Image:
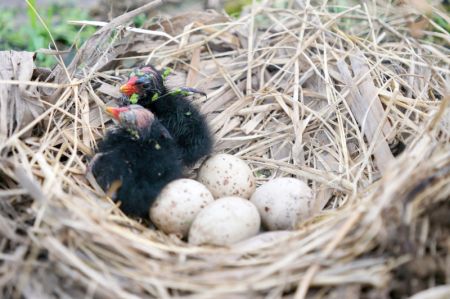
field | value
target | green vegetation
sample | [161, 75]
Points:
[442, 23]
[139, 20]
[28, 33]
[234, 7]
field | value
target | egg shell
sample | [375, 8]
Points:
[227, 175]
[177, 205]
[283, 202]
[225, 221]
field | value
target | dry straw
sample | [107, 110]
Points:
[326, 94]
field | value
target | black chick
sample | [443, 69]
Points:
[140, 154]
[181, 118]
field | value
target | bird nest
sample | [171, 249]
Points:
[347, 99]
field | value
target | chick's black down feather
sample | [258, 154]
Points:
[186, 124]
[181, 118]
[143, 165]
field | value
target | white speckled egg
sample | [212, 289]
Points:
[225, 221]
[177, 205]
[226, 175]
[283, 202]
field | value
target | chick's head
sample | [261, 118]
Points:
[146, 82]
[132, 117]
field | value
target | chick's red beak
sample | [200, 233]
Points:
[129, 88]
[115, 111]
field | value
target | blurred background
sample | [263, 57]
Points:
[21, 28]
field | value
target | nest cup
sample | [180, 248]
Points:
[344, 98]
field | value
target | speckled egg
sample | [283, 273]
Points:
[283, 202]
[178, 204]
[225, 221]
[226, 175]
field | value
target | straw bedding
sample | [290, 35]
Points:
[343, 98]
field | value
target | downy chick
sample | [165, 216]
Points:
[140, 154]
[181, 118]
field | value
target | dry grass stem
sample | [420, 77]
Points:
[343, 98]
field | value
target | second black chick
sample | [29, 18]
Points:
[140, 154]
[181, 118]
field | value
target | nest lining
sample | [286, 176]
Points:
[307, 91]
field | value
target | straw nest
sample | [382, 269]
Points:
[344, 98]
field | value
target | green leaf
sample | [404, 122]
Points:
[31, 14]
[180, 91]
[166, 73]
[134, 98]
[139, 20]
